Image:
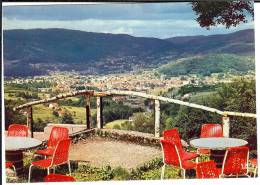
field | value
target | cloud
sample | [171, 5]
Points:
[141, 28]
[110, 11]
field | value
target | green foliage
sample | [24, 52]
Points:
[191, 88]
[114, 111]
[208, 64]
[240, 96]
[27, 95]
[32, 86]
[39, 125]
[12, 116]
[67, 118]
[227, 13]
[142, 122]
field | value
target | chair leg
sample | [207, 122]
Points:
[30, 171]
[48, 171]
[162, 172]
[255, 171]
[69, 167]
[184, 173]
[14, 170]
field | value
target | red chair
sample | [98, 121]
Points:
[57, 134]
[173, 136]
[10, 165]
[58, 178]
[235, 162]
[253, 163]
[171, 156]
[17, 130]
[60, 156]
[210, 130]
[207, 170]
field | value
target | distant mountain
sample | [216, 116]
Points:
[207, 64]
[37, 51]
[240, 42]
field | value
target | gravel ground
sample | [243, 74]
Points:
[100, 152]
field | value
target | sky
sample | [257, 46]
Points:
[159, 20]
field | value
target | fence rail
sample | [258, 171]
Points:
[157, 99]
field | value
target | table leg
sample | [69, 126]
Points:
[218, 157]
[16, 157]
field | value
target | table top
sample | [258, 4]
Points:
[20, 143]
[217, 143]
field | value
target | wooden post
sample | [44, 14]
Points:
[88, 111]
[30, 119]
[157, 118]
[99, 112]
[226, 126]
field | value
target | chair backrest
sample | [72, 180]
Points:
[57, 134]
[173, 136]
[211, 130]
[18, 130]
[170, 153]
[61, 152]
[58, 178]
[206, 170]
[236, 161]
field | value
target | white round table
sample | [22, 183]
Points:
[14, 147]
[218, 146]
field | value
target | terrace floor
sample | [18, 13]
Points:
[99, 151]
[102, 151]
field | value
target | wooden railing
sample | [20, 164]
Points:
[99, 101]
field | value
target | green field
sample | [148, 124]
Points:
[115, 122]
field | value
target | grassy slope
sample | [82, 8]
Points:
[115, 122]
[205, 65]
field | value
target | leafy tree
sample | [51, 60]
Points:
[240, 96]
[227, 13]
[39, 125]
[67, 118]
[12, 116]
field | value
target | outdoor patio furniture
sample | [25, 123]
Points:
[235, 162]
[209, 130]
[18, 130]
[253, 164]
[57, 134]
[10, 165]
[172, 135]
[206, 170]
[217, 146]
[59, 157]
[171, 156]
[58, 178]
[14, 147]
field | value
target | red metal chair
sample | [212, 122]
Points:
[235, 162]
[210, 130]
[10, 165]
[60, 156]
[17, 130]
[57, 134]
[207, 170]
[173, 136]
[171, 156]
[58, 178]
[253, 164]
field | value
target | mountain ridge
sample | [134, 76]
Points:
[41, 50]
